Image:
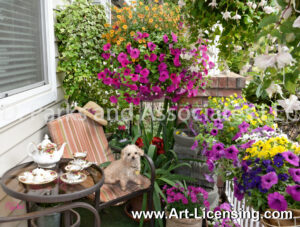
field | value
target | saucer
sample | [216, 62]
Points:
[45, 178]
[73, 168]
[81, 179]
[83, 163]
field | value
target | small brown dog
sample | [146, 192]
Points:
[125, 169]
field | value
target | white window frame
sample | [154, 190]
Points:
[19, 105]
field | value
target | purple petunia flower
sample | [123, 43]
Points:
[151, 46]
[161, 57]
[195, 145]
[210, 165]
[105, 55]
[268, 180]
[248, 144]
[156, 89]
[291, 158]
[295, 174]
[218, 124]
[266, 163]
[174, 37]
[238, 193]
[145, 72]
[135, 53]
[270, 169]
[162, 66]
[277, 201]
[283, 176]
[163, 76]
[226, 113]
[294, 191]
[231, 152]
[214, 132]
[218, 147]
[278, 160]
[152, 57]
[138, 68]
[107, 46]
[165, 38]
[210, 112]
[209, 178]
[244, 127]
[238, 135]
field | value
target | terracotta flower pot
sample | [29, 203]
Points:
[295, 221]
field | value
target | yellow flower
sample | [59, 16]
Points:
[147, 8]
[245, 107]
[156, 1]
[141, 16]
[143, 28]
[124, 27]
[156, 26]
[150, 20]
[264, 117]
[141, 4]
[235, 95]
[132, 33]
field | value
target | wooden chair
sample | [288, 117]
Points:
[83, 134]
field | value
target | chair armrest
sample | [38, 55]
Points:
[152, 169]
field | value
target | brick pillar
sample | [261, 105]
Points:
[221, 86]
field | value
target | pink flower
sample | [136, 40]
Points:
[145, 72]
[134, 77]
[128, 48]
[135, 53]
[107, 81]
[145, 35]
[156, 89]
[144, 89]
[161, 57]
[133, 87]
[146, 57]
[165, 38]
[127, 72]
[144, 80]
[190, 85]
[171, 88]
[113, 99]
[184, 200]
[151, 46]
[176, 61]
[105, 55]
[138, 68]
[162, 66]
[174, 38]
[153, 57]
[122, 57]
[136, 101]
[101, 75]
[106, 47]
[164, 75]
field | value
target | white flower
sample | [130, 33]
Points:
[226, 15]
[194, 68]
[186, 56]
[245, 69]
[236, 16]
[287, 12]
[296, 23]
[291, 104]
[274, 88]
[249, 4]
[181, 3]
[265, 61]
[254, 6]
[284, 58]
[237, 48]
[269, 9]
[213, 4]
[262, 3]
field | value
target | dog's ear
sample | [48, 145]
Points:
[140, 151]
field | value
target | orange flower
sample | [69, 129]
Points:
[143, 28]
[135, 21]
[156, 1]
[106, 25]
[150, 20]
[125, 27]
[132, 33]
[147, 8]
[119, 17]
[130, 16]
[156, 26]
[141, 4]
[141, 16]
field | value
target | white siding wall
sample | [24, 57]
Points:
[15, 137]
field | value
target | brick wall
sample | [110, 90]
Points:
[221, 85]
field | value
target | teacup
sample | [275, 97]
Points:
[73, 175]
[73, 168]
[80, 155]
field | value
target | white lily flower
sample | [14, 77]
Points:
[265, 61]
[283, 59]
[290, 104]
[213, 4]
[274, 88]
[181, 3]
[296, 23]
[254, 6]
[226, 15]
[236, 16]
[269, 9]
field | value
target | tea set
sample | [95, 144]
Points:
[46, 155]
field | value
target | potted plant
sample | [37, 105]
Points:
[51, 220]
[192, 200]
[269, 175]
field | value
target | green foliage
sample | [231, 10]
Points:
[78, 29]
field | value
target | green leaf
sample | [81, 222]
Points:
[268, 20]
[291, 81]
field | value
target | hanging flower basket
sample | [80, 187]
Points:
[295, 221]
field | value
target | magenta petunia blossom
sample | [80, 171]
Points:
[214, 132]
[268, 180]
[152, 57]
[127, 72]
[146, 57]
[161, 57]
[174, 37]
[166, 38]
[163, 76]
[107, 46]
[145, 72]
[231, 152]
[128, 48]
[133, 87]
[176, 61]
[294, 191]
[113, 99]
[136, 101]
[145, 35]
[144, 80]
[171, 88]
[135, 53]
[295, 174]
[291, 158]
[244, 127]
[151, 46]
[101, 75]
[162, 66]
[134, 77]
[277, 201]
[138, 68]
[122, 57]
[156, 89]
[105, 55]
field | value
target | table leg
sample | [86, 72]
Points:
[67, 218]
[97, 202]
[28, 211]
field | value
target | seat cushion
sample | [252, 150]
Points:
[81, 134]
[113, 191]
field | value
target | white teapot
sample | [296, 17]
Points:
[46, 154]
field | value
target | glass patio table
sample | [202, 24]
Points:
[56, 191]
